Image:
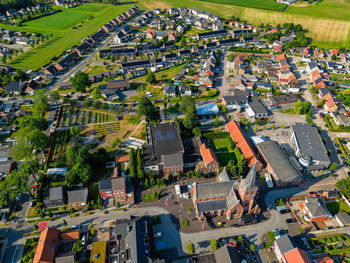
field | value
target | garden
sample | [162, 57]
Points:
[29, 250]
[106, 128]
[59, 145]
[73, 116]
[333, 245]
[338, 207]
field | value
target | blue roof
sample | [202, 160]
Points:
[207, 109]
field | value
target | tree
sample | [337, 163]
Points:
[96, 93]
[29, 140]
[252, 248]
[41, 104]
[147, 109]
[115, 143]
[87, 103]
[333, 166]
[64, 223]
[33, 122]
[132, 164]
[224, 109]
[217, 121]
[190, 248]
[80, 81]
[197, 132]
[54, 96]
[78, 246]
[187, 106]
[282, 125]
[214, 244]
[151, 77]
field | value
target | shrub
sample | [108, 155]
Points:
[267, 245]
[334, 239]
[156, 220]
[214, 244]
[190, 248]
[185, 222]
[340, 239]
[239, 239]
[252, 248]
[328, 241]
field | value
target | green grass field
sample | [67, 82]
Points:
[262, 4]
[338, 207]
[64, 36]
[225, 158]
[221, 144]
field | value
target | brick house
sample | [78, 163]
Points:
[210, 163]
[78, 197]
[331, 105]
[314, 210]
[114, 187]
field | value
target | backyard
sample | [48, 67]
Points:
[59, 144]
[334, 245]
[225, 158]
[68, 27]
[338, 207]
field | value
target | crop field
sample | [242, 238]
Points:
[107, 128]
[75, 116]
[323, 31]
[59, 145]
[261, 4]
[66, 34]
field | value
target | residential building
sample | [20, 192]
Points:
[314, 210]
[185, 90]
[118, 85]
[331, 105]
[210, 35]
[234, 102]
[280, 100]
[287, 252]
[116, 188]
[309, 147]
[243, 144]
[169, 91]
[47, 245]
[210, 163]
[78, 197]
[343, 219]
[55, 197]
[255, 109]
[279, 165]
[16, 87]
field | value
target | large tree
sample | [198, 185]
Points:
[151, 78]
[41, 104]
[54, 96]
[148, 109]
[80, 81]
[187, 106]
[343, 186]
[28, 141]
[32, 121]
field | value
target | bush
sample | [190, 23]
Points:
[215, 135]
[340, 239]
[214, 244]
[267, 245]
[156, 220]
[328, 241]
[252, 248]
[334, 239]
[185, 222]
[190, 248]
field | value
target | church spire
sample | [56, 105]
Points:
[249, 182]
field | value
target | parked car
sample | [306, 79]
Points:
[83, 240]
[285, 211]
[290, 220]
[75, 226]
[32, 203]
[277, 232]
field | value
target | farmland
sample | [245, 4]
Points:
[327, 22]
[263, 4]
[66, 33]
[59, 146]
[75, 116]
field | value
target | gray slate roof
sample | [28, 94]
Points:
[172, 160]
[80, 195]
[212, 205]
[56, 193]
[227, 254]
[315, 207]
[344, 218]
[279, 162]
[249, 182]
[214, 190]
[257, 107]
[310, 142]
[285, 244]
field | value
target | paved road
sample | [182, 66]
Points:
[224, 85]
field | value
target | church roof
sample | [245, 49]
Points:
[249, 183]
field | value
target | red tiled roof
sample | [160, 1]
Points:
[243, 144]
[47, 245]
[207, 154]
[296, 256]
[71, 235]
[324, 260]
[123, 158]
[282, 56]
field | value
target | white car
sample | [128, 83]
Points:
[83, 240]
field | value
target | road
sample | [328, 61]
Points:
[224, 82]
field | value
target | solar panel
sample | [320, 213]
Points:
[160, 136]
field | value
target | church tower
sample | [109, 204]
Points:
[247, 187]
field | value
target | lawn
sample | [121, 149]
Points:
[221, 144]
[64, 36]
[225, 158]
[338, 207]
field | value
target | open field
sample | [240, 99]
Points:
[261, 4]
[331, 32]
[89, 16]
[327, 22]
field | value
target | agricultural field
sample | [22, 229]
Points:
[327, 22]
[261, 4]
[59, 144]
[66, 32]
[74, 116]
[107, 128]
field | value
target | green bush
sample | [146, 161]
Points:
[340, 239]
[215, 135]
[156, 220]
[190, 248]
[185, 222]
[328, 241]
[334, 239]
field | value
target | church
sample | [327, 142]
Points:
[232, 198]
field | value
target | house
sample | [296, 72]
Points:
[114, 187]
[185, 90]
[231, 198]
[164, 150]
[15, 87]
[243, 144]
[312, 66]
[324, 93]
[256, 109]
[234, 102]
[309, 147]
[6, 162]
[331, 105]
[23, 41]
[287, 252]
[47, 245]
[210, 35]
[279, 165]
[317, 79]
[83, 48]
[169, 91]
[180, 28]
[343, 219]
[279, 100]
[208, 109]
[55, 197]
[226, 254]
[173, 11]
[150, 33]
[314, 210]
[172, 35]
[217, 26]
[78, 197]
[210, 163]
[118, 85]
